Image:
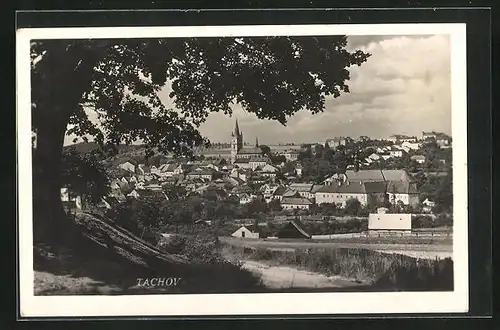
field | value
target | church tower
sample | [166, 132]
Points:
[236, 142]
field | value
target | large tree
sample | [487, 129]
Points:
[119, 80]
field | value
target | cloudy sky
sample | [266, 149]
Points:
[403, 88]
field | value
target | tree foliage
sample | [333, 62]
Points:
[273, 77]
[119, 82]
[84, 175]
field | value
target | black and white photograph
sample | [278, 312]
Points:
[249, 168]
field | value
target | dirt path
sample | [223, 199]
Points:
[281, 277]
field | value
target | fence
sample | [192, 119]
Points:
[413, 234]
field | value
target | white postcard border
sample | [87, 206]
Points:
[255, 303]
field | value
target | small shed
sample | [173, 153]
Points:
[293, 229]
[246, 232]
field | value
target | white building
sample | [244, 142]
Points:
[397, 153]
[127, 166]
[389, 222]
[244, 232]
[420, 159]
[411, 145]
[257, 162]
[340, 193]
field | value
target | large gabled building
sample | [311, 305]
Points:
[371, 186]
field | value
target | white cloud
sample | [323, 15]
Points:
[404, 87]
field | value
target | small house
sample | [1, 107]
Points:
[420, 159]
[296, 203]
[247, 232]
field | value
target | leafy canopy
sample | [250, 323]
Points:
[272, 77]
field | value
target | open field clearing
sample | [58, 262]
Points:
[343, 269]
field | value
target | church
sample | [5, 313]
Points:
[237, 149]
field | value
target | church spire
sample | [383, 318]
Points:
[236, 129]
[256, 142]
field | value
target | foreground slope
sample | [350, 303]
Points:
[106, 259]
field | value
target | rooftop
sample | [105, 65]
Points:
[296, 201]
[355, 188]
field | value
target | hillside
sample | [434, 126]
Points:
[106, 259]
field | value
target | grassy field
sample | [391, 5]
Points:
[431, 246]
[383, 272]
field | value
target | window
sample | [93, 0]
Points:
[243, 234]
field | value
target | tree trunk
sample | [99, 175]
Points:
[50, 222]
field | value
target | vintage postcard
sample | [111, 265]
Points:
[242, 170]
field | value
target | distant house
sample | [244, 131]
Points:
[420, 159]
[295, 203]
[397, 153]
[443, 140]
[242, 174]
[245, 198]
[278, 193]
[247, 232]
[298, 169]
[127, 166]
[338, 141]
[134, 194]
[170, 169]
[427, 205]
[428, 135]
[155, 170]
[291, 155]
[268, 191]
[411, 145]
[201, 173]
[402, 138]
[293, 229]
[401, 191]
[268, 171]
[154, 186]
[243, 163]
[258, 162]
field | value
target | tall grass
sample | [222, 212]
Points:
[391, 272]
